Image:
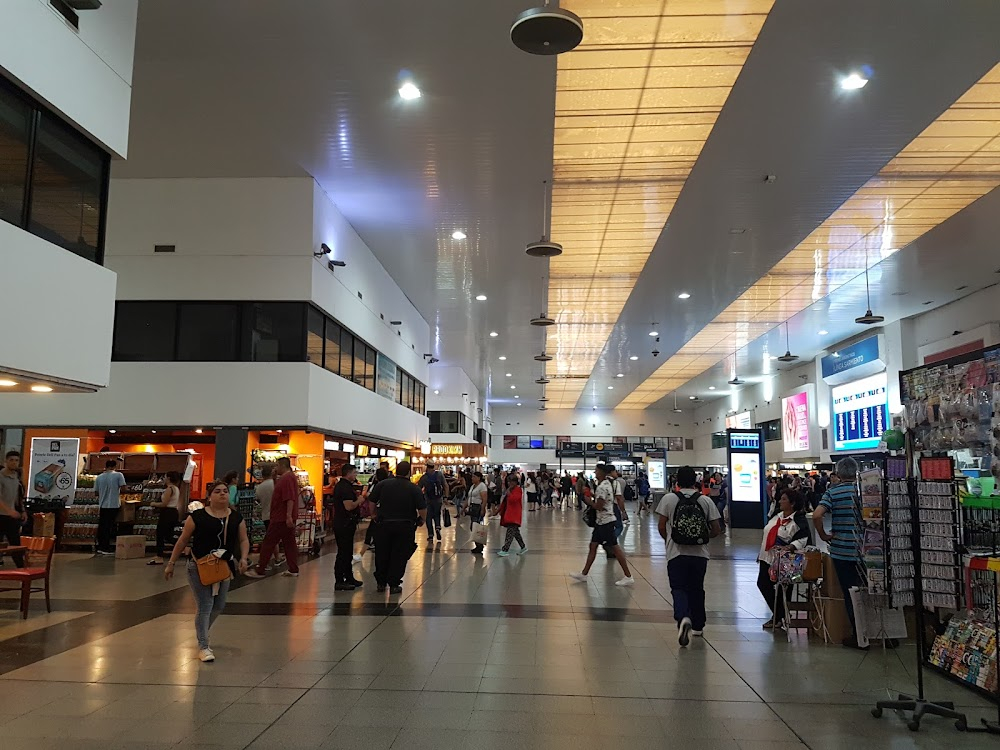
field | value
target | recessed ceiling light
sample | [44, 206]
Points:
[493, 334]
[513, 387]
[654, 333]
[481, 297]
[518, 403]
[711, 387]
[198, 431]
[154, 431]
[853, 82]
[437, 393]
[7, 383]
[112, 431]
[611, 387]
[409, 91]
[620, 375]
[502, 358]
[692, 398]
[41, 389]
[507, 374]
[633, 358]
[458, 234]
[822, 333]
[683, 295]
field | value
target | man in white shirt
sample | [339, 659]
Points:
[603, 504]
[12, 513]
[109, 486]
[687, 563]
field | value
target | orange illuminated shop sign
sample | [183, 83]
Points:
[458, 449]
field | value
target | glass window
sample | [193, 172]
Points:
[359, 361]
[346, 353]
[272, 332]
[370, 368]
[332, 358]
[15, 129]
[67, 189]
[314, 336]
[421, 398]
[144, 331]
[399, 386]
[208, 332]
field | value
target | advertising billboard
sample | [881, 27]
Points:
[860, 413]
[795, 422]
[739, 421]
[656, 470]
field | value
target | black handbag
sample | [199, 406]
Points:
[590, 516]
[447, 517]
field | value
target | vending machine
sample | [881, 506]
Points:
[747, 498]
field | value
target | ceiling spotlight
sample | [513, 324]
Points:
[493, 334]
[507, 375]
[822, 333]
[683, 295]
[502, 358]
[853, 82]
[7, 383]
[543, 357]
[112, 431]
[481, 297]
[692, 398]
[542, 320]
[633, 358]
[546, 31]
[458, 234]
[611, 387]
[437, 392]
[518, 403]
[409, 91]
[654, 333]
[41, 389]
[711, 387]
[620, 375]
[198, 431]
[513, 387]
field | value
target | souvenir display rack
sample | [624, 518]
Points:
[249, 508]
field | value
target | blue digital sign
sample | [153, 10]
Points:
[744, 441]
[863, 356]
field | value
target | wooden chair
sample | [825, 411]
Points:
[38, 567]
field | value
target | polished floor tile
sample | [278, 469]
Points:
[477, 653]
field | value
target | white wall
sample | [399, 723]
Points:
[84, 75]
[583, 424]
[381, 298]
[934, 330]
[236, 238]
[457, 393]
[221, 394]
[58, 310]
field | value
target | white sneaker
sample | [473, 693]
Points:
[698, 633]
[684, 632]
[629, 581]
[357, 558]
[206, 655]
[578, 577]
[290, 574]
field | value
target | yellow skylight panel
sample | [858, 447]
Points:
[957, 158]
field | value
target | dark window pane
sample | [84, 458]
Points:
[359, 362]
[314, 336]
[208, 332]
[332, 358]
[15, 122]
[272, 332]
[144, 331]
[346, 353]
[370, 368]
[66, 189]
[399, 386]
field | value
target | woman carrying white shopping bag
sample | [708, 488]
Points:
[478, 496]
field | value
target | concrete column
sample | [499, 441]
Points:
[231, 453]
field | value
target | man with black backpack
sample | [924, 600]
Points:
[435, 491]
[601, 518]
[687, 520]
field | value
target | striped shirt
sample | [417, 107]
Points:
[842, 503]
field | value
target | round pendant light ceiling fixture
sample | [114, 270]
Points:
[542, 320]
[543, 380]
[544, 248]
[547, 30]
[677, 409]
[543, 357]
[787, 356]
[868, 318]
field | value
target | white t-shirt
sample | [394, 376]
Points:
[619, 487]
[607, 494]
[477, 495]
[666, 509]
[529, 486]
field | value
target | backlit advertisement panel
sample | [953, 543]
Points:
[795, 422]
[860, 413]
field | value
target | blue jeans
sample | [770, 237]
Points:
[433, 518]
[209, 606]
[687, 587]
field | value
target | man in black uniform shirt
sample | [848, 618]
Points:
[345, 521]
[401, 508]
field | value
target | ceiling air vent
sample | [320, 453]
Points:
[164, 248]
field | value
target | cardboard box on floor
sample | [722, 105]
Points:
[834, 611]
[130, 546]
[43, 524]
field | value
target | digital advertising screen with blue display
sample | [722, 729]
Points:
[860, 413]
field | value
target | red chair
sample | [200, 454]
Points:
[39, 553]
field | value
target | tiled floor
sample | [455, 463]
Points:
[477, 653]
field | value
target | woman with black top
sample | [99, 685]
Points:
[787, 530]
[216, 528]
